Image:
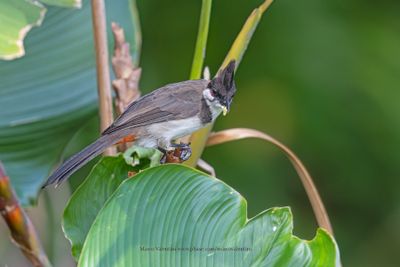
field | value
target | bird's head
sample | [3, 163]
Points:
[221, 90]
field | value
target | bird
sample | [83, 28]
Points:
[158, 119]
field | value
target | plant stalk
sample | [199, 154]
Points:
[199, 138]
[200, 49]
[137, 32]
[102, 67]
[201, 42]
[23, 233]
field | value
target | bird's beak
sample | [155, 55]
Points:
[224, 110]
[226, 105]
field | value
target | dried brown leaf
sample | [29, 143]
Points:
[126, 84]
[312, 192]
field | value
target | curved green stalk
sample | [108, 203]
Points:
[137, 32]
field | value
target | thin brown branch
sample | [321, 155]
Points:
[23, 233]
[308, 184]
[102, 67]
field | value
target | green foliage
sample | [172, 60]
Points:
[169, 206]
[17, 17]
[63, 3]
[236, 53]
[245, 35]
[47, 95]
[201, 42]
[179, 207]
[142, 157]
[90, 197]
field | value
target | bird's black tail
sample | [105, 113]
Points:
[78, 160]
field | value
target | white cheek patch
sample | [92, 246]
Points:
[207, 94]
[215, 106]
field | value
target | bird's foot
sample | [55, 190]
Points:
[183, 151]
[179, 154]
[165, 153]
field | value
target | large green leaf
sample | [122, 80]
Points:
[48, 94]
[91, 195]
[17, 17]
[193, 218]
[63, 3]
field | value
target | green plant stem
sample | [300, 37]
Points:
[200, 49]
[239, 46]
[201, 43]
[137, 32]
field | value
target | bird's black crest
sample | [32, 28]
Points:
[227, 75]
[224, 81]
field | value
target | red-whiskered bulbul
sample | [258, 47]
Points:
[160, 117]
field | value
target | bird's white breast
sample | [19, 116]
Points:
[164, 132]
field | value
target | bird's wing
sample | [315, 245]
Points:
[171, 102]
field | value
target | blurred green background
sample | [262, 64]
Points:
[323, 77]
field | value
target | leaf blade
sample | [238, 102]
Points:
[175, 206]
[92, 194]
[50, 93]
[18, 17]
[64, 3]
[94, 191]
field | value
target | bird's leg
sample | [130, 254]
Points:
[178, 154]
[164, 157]
[170, 156]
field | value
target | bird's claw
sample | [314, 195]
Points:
[180, 153]
[163, 158]
[183, 150]
[185, 153]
